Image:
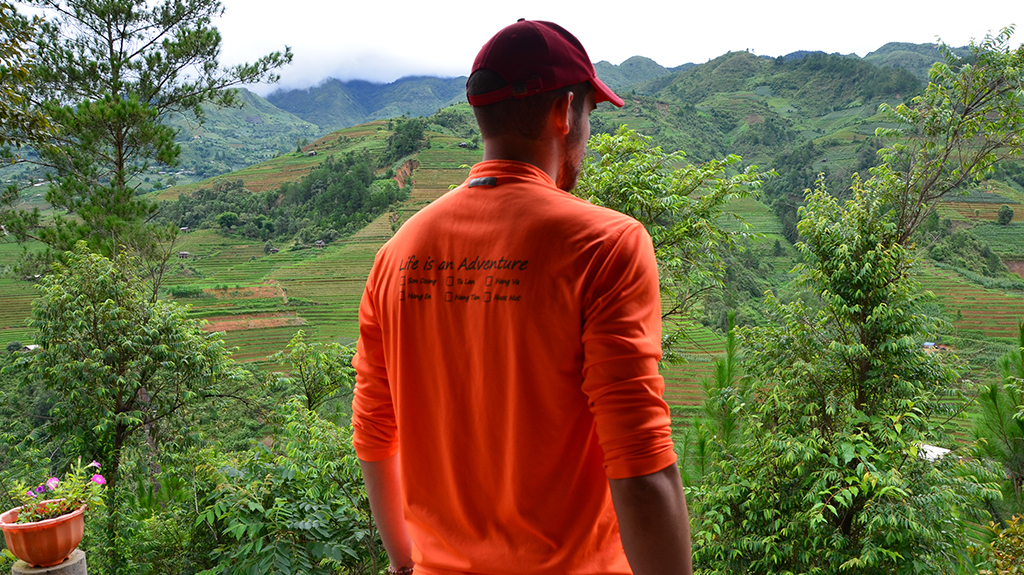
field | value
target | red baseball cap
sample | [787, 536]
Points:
[533, 57]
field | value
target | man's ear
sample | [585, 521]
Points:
[561, 113]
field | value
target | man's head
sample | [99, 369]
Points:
[523, 76]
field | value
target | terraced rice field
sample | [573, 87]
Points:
[758, 216]
[990, 313]
[15, 306]
[1007, 241]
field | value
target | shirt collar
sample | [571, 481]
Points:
[503, 169]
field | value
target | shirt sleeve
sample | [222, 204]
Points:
[622, 347]
[374, 430]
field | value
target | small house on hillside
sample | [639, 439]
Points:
[184, 255]
[185, 230]
[320, 244]
[273, 250]
[311, 153]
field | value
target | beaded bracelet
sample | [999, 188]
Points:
[400, 571]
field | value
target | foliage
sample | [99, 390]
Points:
[681, 207]
[298, 506]
[19, 123]
[459, 120]
[119, 365]
[1005, 215]
[718, 427]
[80, 486]
[340, 195]
[406, 138]
[970, 116]
[829, 473]
[726, 394]
[998, 430]
[963, 251]
[108, 71]
[320, 371]
[227, 220]
[159, 529]
[1006, 549]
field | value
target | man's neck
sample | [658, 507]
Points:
[540, 153]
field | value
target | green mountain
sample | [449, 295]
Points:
[334, 104]
[232, 138]
[756, 107]
[632, 71]
[736, 103]
[915, 58]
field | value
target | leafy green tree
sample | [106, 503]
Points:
[227, 220]
[1004, 215]
[970, 116]
[320, 371]
[406, 138]
[830, 474]
[121, 367]
[109, 71]
[682, 209]
[298, 506]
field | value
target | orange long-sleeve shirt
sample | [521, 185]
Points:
[509, 340]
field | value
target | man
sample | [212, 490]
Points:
[508, 413]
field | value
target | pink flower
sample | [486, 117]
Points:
[98, 479]
[40, 490]
[30, 493]
[94, 463]
[52, 482]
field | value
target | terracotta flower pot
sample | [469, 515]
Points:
[43, 543]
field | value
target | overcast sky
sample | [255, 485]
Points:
[383, 41]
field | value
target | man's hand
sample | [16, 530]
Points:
[384, 489]
[654, 523]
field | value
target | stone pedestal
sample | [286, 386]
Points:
[73, 565]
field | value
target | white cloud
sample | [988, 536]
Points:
[384, 41]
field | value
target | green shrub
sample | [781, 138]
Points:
[1005, 551]
[297, 507]
[1005, 215]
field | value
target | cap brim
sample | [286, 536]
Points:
[604, 94]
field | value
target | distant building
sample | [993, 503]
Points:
[311, 153]
[184, 255]
[320, 244]
[273, 250]
[185, 230]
